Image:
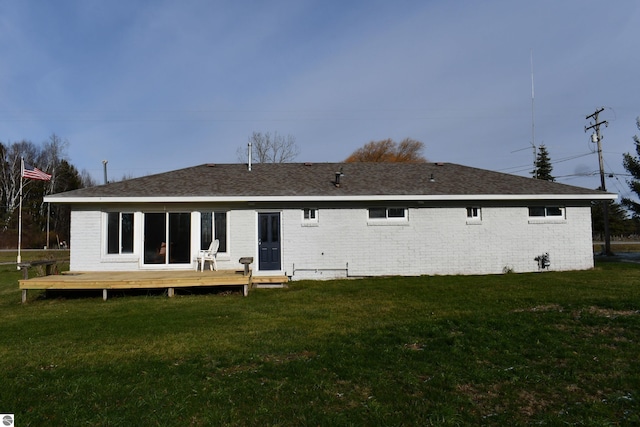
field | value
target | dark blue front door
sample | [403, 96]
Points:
[269, 241]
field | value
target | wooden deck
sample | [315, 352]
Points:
[120, 280]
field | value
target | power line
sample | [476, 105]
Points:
[597, 138]
[522, 168]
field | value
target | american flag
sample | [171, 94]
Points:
[32, 172]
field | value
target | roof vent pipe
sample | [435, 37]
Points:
[104, 165]
[338, 175]
[249, 156]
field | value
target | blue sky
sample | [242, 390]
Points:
[158, 85]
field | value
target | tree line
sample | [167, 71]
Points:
[51, 157]
[37, 216]
[624, 217]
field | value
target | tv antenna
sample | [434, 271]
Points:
[533, 123]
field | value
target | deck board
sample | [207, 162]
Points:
[137, 279]
[119, 280]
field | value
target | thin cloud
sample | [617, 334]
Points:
[178, 84]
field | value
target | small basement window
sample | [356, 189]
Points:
[474, 215]
[309, 216]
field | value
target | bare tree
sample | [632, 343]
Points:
[86, 179]
[387, 150]
[270, 148]
[10, 175]
[52, 154]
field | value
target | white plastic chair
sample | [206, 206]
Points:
[209, 255]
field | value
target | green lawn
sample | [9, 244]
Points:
[515, 349]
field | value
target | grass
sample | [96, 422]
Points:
[9, 256]
[514, 349]
[618, 247]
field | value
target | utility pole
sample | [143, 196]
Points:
[597, 138]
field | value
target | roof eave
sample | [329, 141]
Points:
[363, 198]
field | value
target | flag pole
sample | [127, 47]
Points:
[48, 216]
[19, 258]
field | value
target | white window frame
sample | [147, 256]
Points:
[309, 217]
[223, 254]
[474, 214]
[388, 219]
[120, 252]
[551, 214]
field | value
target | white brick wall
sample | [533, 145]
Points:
[432, 241]
[84, 240]
[87, 245]
[242, 238]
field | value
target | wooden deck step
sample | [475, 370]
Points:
[269, 281]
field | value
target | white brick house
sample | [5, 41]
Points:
[333, 220]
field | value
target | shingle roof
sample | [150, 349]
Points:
[309, 180]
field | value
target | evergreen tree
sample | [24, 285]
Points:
[632, 165]
[543, 166]
[619, 223]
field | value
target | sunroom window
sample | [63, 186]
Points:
[167, 237]
[213, 225]
[119, 233]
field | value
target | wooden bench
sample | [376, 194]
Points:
[246, 261]
[51, 267]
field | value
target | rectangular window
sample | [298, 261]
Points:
[377, 213]
[537, 211]
[167, 238]
[473, 213]
[213, 225]
[119, 233]
[395, 213]
[179, 238]
[546, 212]
[554, 211]
[155, 238]
[220, 227]
[309, 214]
[387, 213]
[309, 217]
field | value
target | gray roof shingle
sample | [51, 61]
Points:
[310, 180]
